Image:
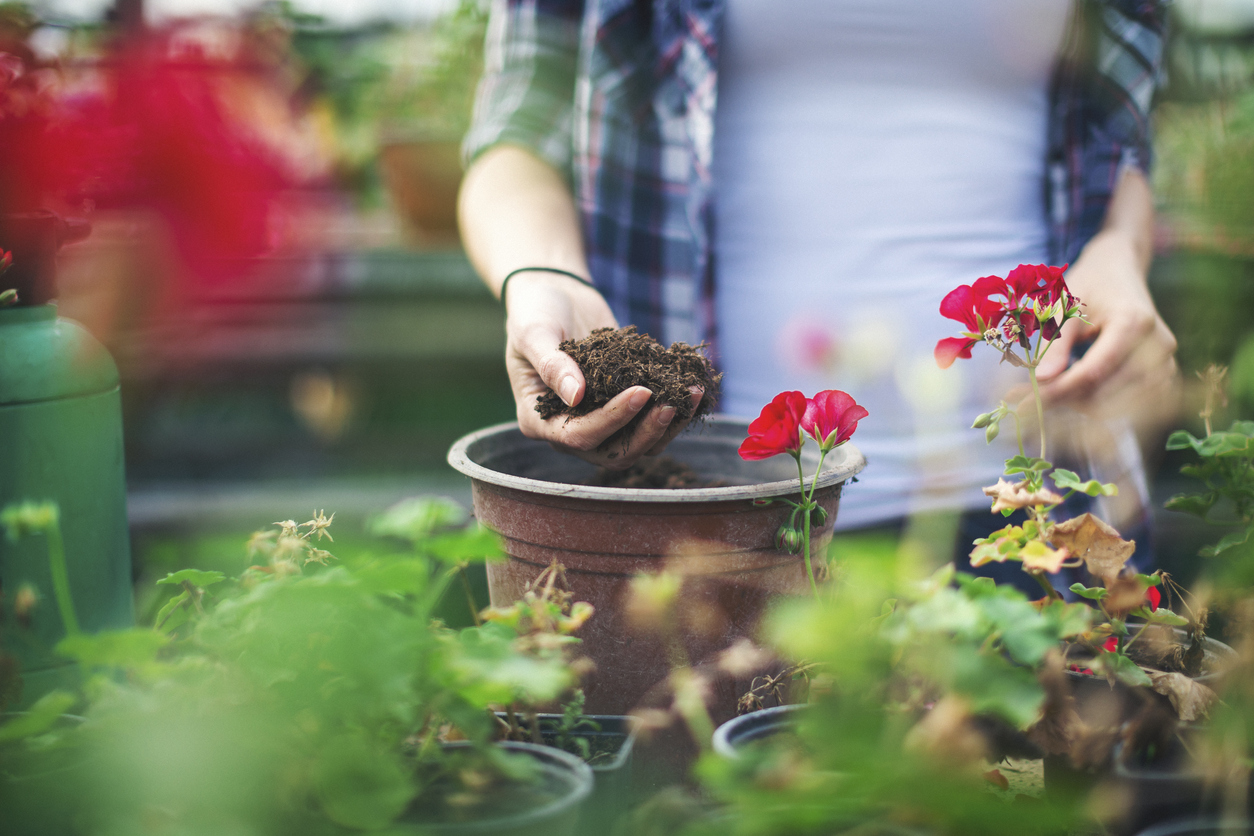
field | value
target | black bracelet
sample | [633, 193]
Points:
[514, 273]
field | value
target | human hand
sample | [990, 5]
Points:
[545, 309]
[1130, 368]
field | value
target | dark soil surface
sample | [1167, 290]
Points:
[658, 472]
[616, 360]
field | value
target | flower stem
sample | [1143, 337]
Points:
[1040, 406]
[806, 505]
[60, 577]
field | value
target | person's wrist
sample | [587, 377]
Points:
[554, 278]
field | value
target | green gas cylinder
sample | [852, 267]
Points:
[60, 441]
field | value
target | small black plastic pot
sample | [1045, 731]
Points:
[1165, 787]
[614, 736]
[1101, 704]
[734, 735]
[1202, 827]
[562, 784]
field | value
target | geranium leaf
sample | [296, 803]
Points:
[1236, 538]
[1093, 593]
[195, 577]
[114, 648]
[1122, 668]
[1182, 440]
[1196, 504]
[38, 718]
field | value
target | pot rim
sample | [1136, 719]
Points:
[841, 464]
[582, 781]
[777, 716]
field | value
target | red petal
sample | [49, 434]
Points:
[1110, 645]
[959, 305]
[1154, 597]
[950, 349]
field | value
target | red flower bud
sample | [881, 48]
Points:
[1110, 645]
[1154, 597]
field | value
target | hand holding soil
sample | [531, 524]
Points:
[679, 381]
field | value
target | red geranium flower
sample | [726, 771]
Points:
[777, 429]
[1154, 597]
[831, 417]
[1110, 645]
[970, 305]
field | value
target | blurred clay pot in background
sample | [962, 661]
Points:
[717, 538]
[423, 175]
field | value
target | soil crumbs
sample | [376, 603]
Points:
[659, 472]
[612, 361]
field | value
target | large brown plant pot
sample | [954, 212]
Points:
[717, 538]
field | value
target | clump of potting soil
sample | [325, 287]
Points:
[659, 472]
[612, 361]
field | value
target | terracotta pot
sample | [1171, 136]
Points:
[422, 177]
[717, 538]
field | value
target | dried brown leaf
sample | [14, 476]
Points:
[1191, 699]
[1095, 542]
[1014, 495]
[1059, 724]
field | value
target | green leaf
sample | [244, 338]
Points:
[1024, 464]
[1068, 619]
[1182, 440]
[474, 545]
[360, 785]
[418, 518]
[114, 648]
[1123, 669]
[39, 717]
[1226, 445]
[169, 607]
[1093, 593]
[1068, 480]
[1198, 505]
[195, 577]
[1162, 616]
[1245, 428]
[1236, 538]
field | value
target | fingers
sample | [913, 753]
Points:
[677, 427]
[537, 344]
[586, 436]
[1059, 353]
[1129, 370]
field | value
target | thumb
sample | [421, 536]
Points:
[538, 345]
[1058, 356]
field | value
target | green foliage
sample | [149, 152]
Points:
[303, 693]
[857, 763]
[1226, 469]
[1068, 480]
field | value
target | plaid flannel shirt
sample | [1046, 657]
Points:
[620, 95]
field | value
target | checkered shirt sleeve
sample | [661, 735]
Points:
[526, 96]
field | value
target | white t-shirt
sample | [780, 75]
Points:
[870, 156]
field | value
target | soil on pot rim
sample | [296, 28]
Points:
[612, 361]
[658, 472]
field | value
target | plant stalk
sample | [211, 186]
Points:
[806, 505]
[1040, 406]
[61, 577]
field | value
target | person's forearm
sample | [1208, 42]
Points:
[516, 211]
[1130, 217]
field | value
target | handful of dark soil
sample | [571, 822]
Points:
[616, 360]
